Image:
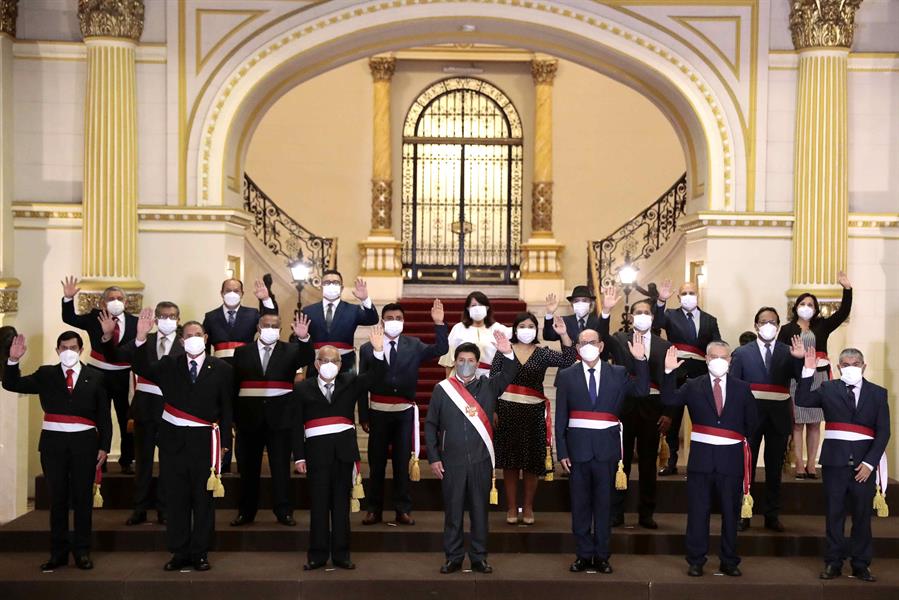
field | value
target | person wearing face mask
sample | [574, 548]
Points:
[393, 412]
[524, 428]
[264, 373]
[194, 434]
[75, 438]
[476, 327]
[333, 322]
[724, 416]
[690, 330]
[326, 450]
[853, 464]
[116, 376]
[806, 320]
[767, 365]
[584, 317]
[459, 436]
[146, 405]
[589, 398]
[643, 418]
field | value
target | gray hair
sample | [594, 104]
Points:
[113, 288]
[718, 343]
[851, 353]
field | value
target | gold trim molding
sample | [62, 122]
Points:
[9, 12]
[9, 295]
[542, 207]
[823, 23]
[381, 206]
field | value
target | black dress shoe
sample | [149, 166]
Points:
[84, 562]
[864, 574]
[695, 571]
[313, 565]
[287, 520]
[617, 521]
[136, 518]
[648, 523]
[730, 570]
[128, 469]
[664, 472]
[202, 564]
[54, 563]
[176, 564]
[744, 524]
[831, 572]
[344, 564]
[160, 518]
[451, 566]
[775, 525]
[404, 519]
[602, 566]
[580, 565]
[240, 520]
[481, 566]
[371, 518]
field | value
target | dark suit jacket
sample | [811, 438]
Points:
[90, 324]
[244, 330]
[747, 364]
[401, 379]
[347, 317]
[349, 390]
[251, 412]
[740, 415]
[144, 406]
[678, 331]
[873, 412]
[550, 335]
[615, 384]
[88, 400]
[649, 407]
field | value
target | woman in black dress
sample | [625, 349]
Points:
[521, 441]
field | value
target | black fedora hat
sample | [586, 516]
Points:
[581, 291]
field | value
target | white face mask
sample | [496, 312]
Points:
[689, 301]
[331, 291]
[805, 312]
[581, 309]
[68, 358]
[328, 371]
[166, 326]
[231, 299]
[195, 345]
[718, 367]
[851, 375]
[588, 353]
[393, 328]
[269, 335]
[526, 335]
[477, 313]
[115, 307]
[642, 322]
[768, 331]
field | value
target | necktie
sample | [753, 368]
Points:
[116, 332]
[591, 387]
[231, 317]
[719, 396]
[392, 357]
[329, 316]
[328, 387]
[193, 371]
[581, 324]
[692, 325]
[768, 356]
[850, 391]
[161, 352]
[70, 380]
[265, 357]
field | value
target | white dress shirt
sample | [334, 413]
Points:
[169, 342]
[695, 313]
[761, 344]
[261, 348]
[267, 303]
[722, 381]
[595, 375]
[76, 368]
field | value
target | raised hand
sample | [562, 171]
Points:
[797, 348]
[843, 280]
[552, 304]
[437, 313]
[611, 296]
[671, 361]
[503, 345]
[811, 358]
[18, 348]
[665, 290]
[376, 337]
[559, 326]
[144, 324]
[107, 324]
[70, 286]
[301, 325]
[260, 290]
[360, 289]
[638, 350]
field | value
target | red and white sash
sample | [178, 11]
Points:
[849, 432]
[327, 426]
[342, 348]
[472, 410]
[142, 384]
[389, 403]
[764, 391]
[225, 349]
[179, 418]
[716, 436]
[66, 423]
[264, 389]
[99, 360]
[685, 351]
[525, 395]
[587, 419]
[823, 363]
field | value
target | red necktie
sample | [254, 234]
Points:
[719, 396]
[115, 333]
[70, 381]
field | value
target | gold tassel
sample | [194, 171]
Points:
[354, 505]
[620, 477]
[746, 508]
[98, 498]
[219, 491]
[358, 491]
[664, 452]
[494, 495]
[880, 504]
[210, 483]
[548, 465]
[414, 469]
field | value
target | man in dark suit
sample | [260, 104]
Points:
[589, 398]
[643, 419]
[392, 409]
[75, 439]
[146, 406]
[196, 430]
[333, 322]
[325, 448]
[264, 373]
[459, 436]
[768, 367]
[856, 432]
[582, 302]
[115, 373]
[723, 413]
[690, 330]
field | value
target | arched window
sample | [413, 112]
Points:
[462, 165]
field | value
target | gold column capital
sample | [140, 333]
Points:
[823, 23]
[382, 67]
[9, 11]
[111, 18]
[544, 70]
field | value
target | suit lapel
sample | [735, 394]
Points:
[710, 396]
[582, 383]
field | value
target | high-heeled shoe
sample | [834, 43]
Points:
[527, 520]
[512, 520]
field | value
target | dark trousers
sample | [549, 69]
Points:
[592, 485]
[145, 432]
[117, 387]
[774, 427]
[330, 486]
[466, 486]
[190, 511]
[249, 460]
[389, 429]
[69, 469]
[643, 430]
[843, 494]
[701, 489]
[672, 438]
